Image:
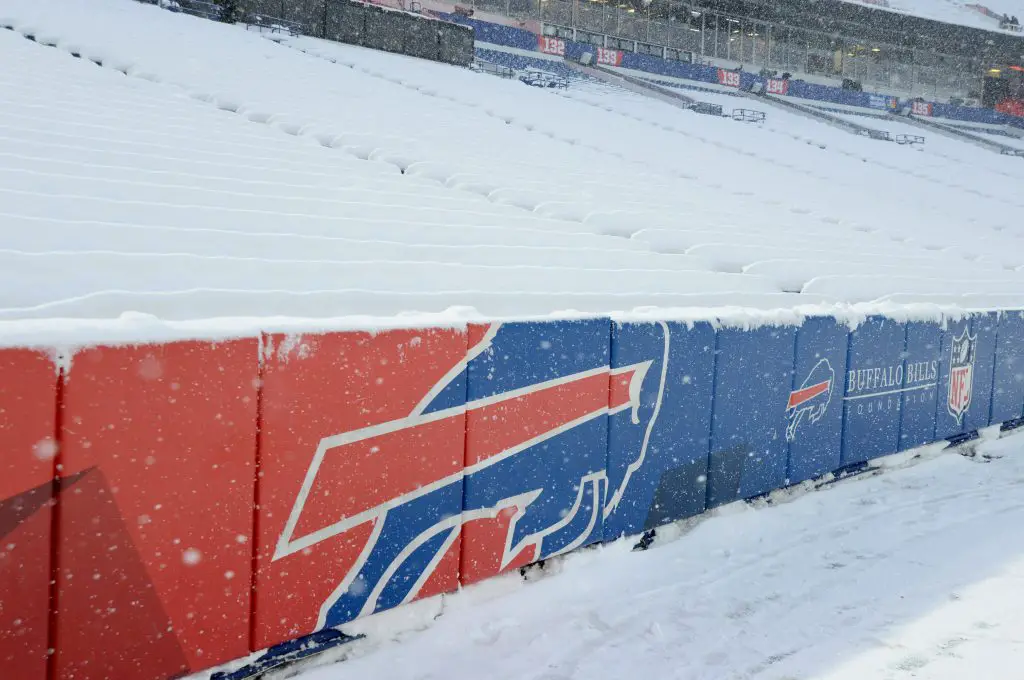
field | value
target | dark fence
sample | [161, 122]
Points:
[372, 26]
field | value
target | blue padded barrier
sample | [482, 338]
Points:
[658, 447]
[584, 431]
[575, 50]
[965, 375]
[496, 34]
[920, 379]
[986, 328]
[837, 95]
[753, 380]
[874, 380]
[1008, 390]
[550, 429]
[969, 114]
[815, 405]
[666, 67]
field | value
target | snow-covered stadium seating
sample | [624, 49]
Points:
[474, 157]
[484, 324]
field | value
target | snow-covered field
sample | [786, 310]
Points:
[912, 573]
[314, 179]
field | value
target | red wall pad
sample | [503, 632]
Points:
[155, 509]
[28, 404]
[360, 475]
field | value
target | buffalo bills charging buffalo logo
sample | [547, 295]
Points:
[812, 398]
[962, 353]
[535, 481]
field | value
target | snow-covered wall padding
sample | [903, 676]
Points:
[152, 545]
[753, 380]
[658, 444]
[361, 448]
[213, 498]
[836, 95]
[666, 67]
[28, 441]
[970, 114]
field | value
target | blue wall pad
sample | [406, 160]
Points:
[1008, 391]
[533, 371]
[920, 378]
[753, 381]
[814, 408]
[874, 382]
[658, 446]
[986, 328]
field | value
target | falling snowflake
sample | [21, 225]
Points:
[150, 368]
[45, 449]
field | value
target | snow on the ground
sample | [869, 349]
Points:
[917, 572]
[316, 179]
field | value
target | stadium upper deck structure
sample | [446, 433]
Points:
[939, 53]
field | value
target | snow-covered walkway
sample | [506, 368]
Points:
[914, 573]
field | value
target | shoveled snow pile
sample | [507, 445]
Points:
[189, 169]
[912, 573]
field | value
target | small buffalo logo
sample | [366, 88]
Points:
[812, 398]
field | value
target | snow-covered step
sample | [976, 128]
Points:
[866, 287]
[45, 277]
[41, 236]
[793, 273]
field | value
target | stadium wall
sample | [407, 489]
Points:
[170, 506]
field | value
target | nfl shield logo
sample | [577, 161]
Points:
[961, 374]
